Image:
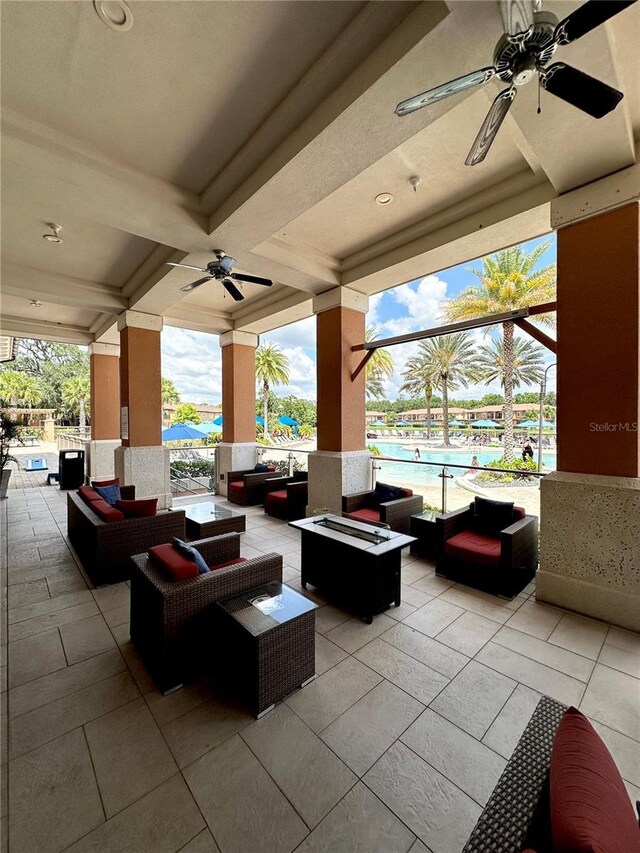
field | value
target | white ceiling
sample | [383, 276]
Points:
[267, 129]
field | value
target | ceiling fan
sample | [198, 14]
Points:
[524, 51]
[222, 270]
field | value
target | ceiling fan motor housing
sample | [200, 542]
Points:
[516, 61]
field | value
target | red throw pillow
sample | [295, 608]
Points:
[175, 564]
[88, 494]
[139, 508]
[102, 483]
[106, 512]
[590, 808]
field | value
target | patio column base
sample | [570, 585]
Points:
[100, 460]
[146, 468]
[590, 546]
[333, 474]
[233, 456]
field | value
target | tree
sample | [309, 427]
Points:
[186, 413]
[303, 411]
[420, 378]
[525, 364]
[526, 397]
[508, 280]
[272, 368]
[449, 362]
[52, 364]
[169, 392]
[379, 367]
[76, 395]
[19, 389]
[492, 400]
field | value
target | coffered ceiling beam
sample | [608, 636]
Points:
[19, 327]
[31, 283]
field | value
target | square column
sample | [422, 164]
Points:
[104, 368]
[142, 460]
[237, 450]
[590, 507]
[341, 463]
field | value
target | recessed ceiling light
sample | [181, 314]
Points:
[35, 303]
[114, 13]
[55, 236]
[384, 198]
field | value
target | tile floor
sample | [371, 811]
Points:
[395, 747]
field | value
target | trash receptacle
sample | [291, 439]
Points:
[71, 468]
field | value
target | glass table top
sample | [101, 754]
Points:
[205, 511]
[261, 609]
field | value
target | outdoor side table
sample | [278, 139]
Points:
[206, 518]
[423, 527]
[269, 643]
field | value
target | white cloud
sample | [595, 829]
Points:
[193, 362]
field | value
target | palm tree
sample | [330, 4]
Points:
[449, 360]
[526, 365]
[169, 392]
[379, 366]
[272, 368]
[19, 389]
[76, 395]
[419, 379]
[508, 281]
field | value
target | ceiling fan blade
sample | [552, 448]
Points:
[460, 84]
[232, 290]
[584, 92]
[253, 279]
[517, 16]
[195, 284]
[587, 17]
[187, 267]
[490, 127]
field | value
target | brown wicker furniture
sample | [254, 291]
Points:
[273, 647]
[105, 548]
[362, 506]
[206, 519]
[423, 527]
[246, 488]
[502, 564]
[286, 498]
[171, 620]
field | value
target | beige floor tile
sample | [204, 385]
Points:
[118, 616]
[111, 597]
[54, 797]
[329, 617]
[51, 605]
[579, 634]
[86, 638]
[242, 805]
[431, 652]
[364, 732]
[400, 613]
[330, 695]
[613, 698]
[563, 688]
[507, 728]
[35, 656]
[360, 823]
[628, 641]
[412, 596]
[202, 843]
[621, 660]
[463, 760]
[308, 773]
[355, 633]
[433, 585]
[28, 593]
[438, 812]
[434, 616]
[463, 597]
[129, 754]
[625, 752]
[414, 571]
[71, 581]
[39, 624]
[174, 705]
[469, 633]
[407, 673]
[557, 658]
[327, 654]
[50, 721]
[162, 821]
[474, 698]
[418, 847]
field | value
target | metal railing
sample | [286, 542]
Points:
[179, 480]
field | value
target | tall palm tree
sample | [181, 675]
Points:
[19, 389]
[419, 379]
[170, 393]
[379, 366]
[450, 362]
[76, 395]
[272, 368]
[508, 280]
[527, 363]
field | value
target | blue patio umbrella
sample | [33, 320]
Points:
[455, 423]
[206, 427]
[181, 432]
[403, 423]
[486, 423]
[218, 420]
[535, 425]
[377, 423]
[287, 421]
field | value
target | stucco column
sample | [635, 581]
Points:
[237, 450]
[341, 463]
[142, 460]
[590, 507]
[104, 368]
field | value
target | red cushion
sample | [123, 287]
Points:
[518, 513]
[276, 497]
[139, 508]
[228, 563]
[88, 494]
[236, 486]
[106, 512]
[271, 467]
[590, 808]
[175, 564]
[407, 493]
[101, 483]
[476, 547]
[366, 514]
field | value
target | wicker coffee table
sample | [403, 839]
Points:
[271, 630]
[207, 519]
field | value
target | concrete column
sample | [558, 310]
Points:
[104, 366]
[142, 460]
[590, 507]
[237, 450]
[341, 463]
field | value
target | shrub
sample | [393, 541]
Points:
[374, 450]
[282, 465]
[521, 469]
[194, 467]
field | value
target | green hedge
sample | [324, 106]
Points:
[195, 468]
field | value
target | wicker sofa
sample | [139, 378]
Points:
[362, 506]
[286, 498]
[105, 548]
[246, 488]
[170, 620]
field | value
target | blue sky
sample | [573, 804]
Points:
[193, 361]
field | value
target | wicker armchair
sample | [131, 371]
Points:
[170, 620]
[502, 565]
[104, 548]
[361, 506]
[246, 488]
[286, 498]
